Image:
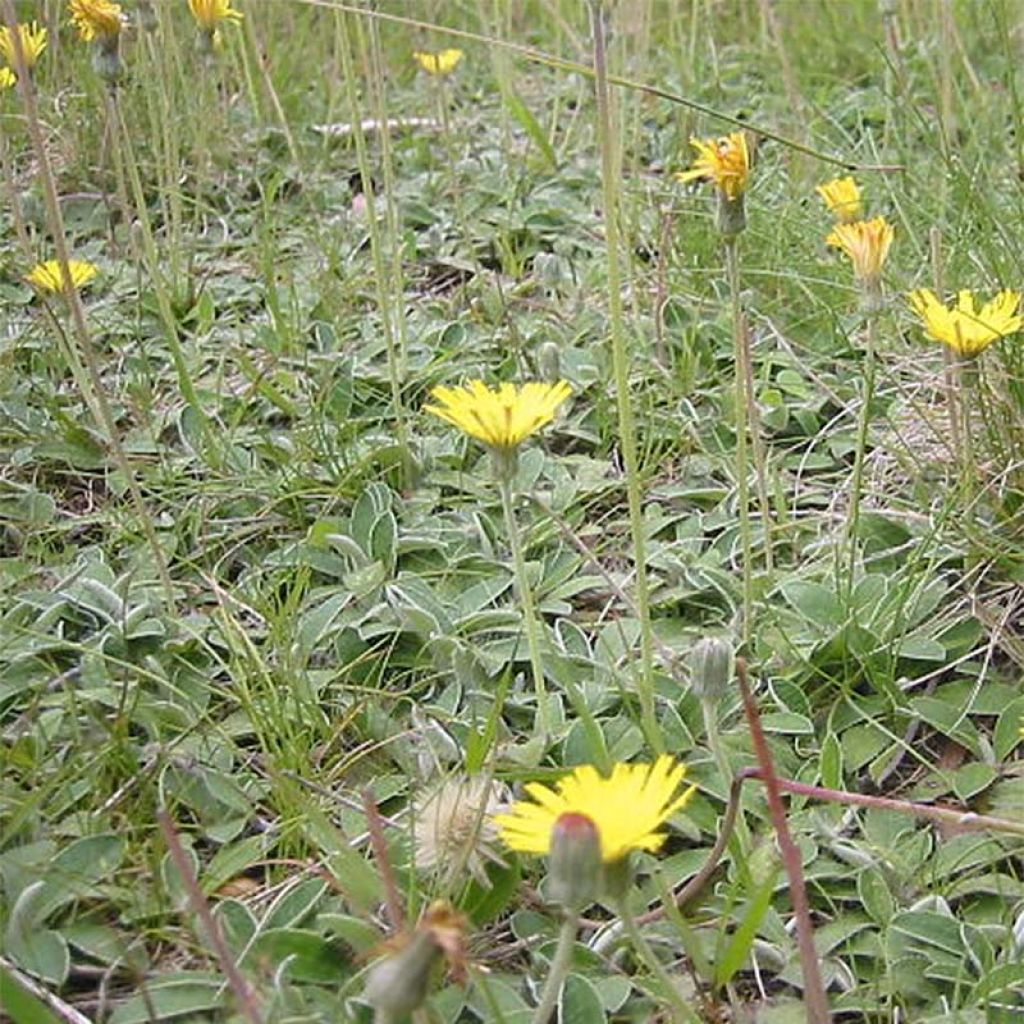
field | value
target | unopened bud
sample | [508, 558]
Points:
[549, 362]
[730, 215]
[106, 59]
[147, 16]
[574, 861]
[397, 985]
[711, 667]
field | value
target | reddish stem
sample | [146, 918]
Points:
[814, 988]
[375, 827]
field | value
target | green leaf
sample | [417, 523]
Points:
[815, 603]
[21, 1005]
[831, 762]
[971, 779]
[518, 109]
[310, 957]
[581, 1003]
[873, 891]
[738, 949]
[172, 996]
[295, 904]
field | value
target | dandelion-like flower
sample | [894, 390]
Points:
[442, 63]
[49, 276]
[842, 197]
[454, 826]
[96, 19]
[627, 807]
[867, 244]
[33, 42]
[7, 78]
[963, 327]
[501, 418]
[725, 161]
[208, 13]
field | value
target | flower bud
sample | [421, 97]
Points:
[549, 361]
[146, 15]
[397, 985]
[574, 861]
[730, 215]
[711, 667]
[106, 59]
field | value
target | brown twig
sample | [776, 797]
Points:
[237, 981]
[375, 827]
[815, 999]
[936, 812]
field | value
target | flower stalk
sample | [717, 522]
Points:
[559, 968]
[525, 594]
[610, 164]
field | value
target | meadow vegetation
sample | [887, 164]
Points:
[417, 422]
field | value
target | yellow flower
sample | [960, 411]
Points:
[964, 328]
[867, 243]
[209, 12]
[626, 808]
[96, 19]
[48, 277]
[725, 161]
[442, 63]
[7, 78]
[842, 197]
[503, 418]
[33, 42]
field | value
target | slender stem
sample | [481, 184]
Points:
[55, 222]
[558, 970]
[533, 640]
[949, 358]
[950, 815]
[863, 422]
[741, 358]
[681, 1012]
[815, 999]
[721, 760]
[388, 303]
[247, 998]
[610, 162]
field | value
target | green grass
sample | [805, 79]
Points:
[275, 304]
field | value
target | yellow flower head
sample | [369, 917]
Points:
[33, 42]
[842, 197]
[7, 78]
[627, 807]
[964, 328]
[209, 12]
[48, 277]
[867, 243]
[503, 418]
[725, 161]
[442, 63]
[96, 19]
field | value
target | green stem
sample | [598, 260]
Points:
[860, 453]
[741, 359]
[388, 303]
[559, 969]
[533, 640]
[610, 163]
[680, 1011]
[722, 763]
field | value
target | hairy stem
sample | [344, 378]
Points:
[610, 163]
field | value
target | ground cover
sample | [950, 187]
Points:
[276, 640]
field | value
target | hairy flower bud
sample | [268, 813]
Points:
[711, 667]
[574, 862]
[397, 984]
